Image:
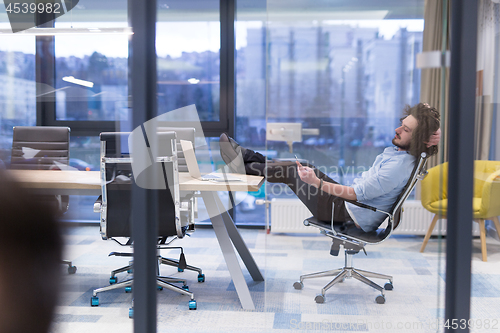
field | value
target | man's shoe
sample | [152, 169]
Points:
[232, 153]
[229, 148]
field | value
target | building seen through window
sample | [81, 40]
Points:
[349, 80]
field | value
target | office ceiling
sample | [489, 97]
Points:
[115, 10]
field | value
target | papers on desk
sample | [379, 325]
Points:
[220, 177]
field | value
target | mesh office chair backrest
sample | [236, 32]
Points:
[396, 210]
[183, 133]
[118, 185]
[417, 171]
[39, 147]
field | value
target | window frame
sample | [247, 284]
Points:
[46, 110]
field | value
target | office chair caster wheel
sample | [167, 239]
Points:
[128, 289]
[94, 301]
[380, 299]
[192, 304]
[388, 286]
[319, 299]
[201, 278]
[113, 280]
[298, 285]
[186, 288]
[180, 270]
[131, 313]
[71, 269]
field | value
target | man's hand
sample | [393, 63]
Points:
[307, 175]
[434, 139]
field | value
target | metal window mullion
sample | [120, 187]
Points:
[142, 15]
[461, 159]
[227, 77]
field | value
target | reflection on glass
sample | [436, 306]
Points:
[18, 93]
[349, 79]
[345, 79]
[84, 156]
[250, 77]
[486, 168]
[91, 74]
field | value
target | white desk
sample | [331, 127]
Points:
[59, 182]
[89, 183]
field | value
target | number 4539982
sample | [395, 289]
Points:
[456, 324]
[32, 8]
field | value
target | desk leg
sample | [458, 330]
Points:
[227, 250]
[239, 244]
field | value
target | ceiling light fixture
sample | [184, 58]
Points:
[84, 83]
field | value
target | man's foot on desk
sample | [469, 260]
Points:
[232, 153]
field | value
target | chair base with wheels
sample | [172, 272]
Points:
[161, 281]
[348, 271]
[71, 268]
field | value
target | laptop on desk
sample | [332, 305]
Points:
[194, 171]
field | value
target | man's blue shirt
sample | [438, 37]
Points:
[380, 186]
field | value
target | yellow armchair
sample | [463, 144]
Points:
[485, 203]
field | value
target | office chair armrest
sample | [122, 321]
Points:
[359, 204]
[362, 205]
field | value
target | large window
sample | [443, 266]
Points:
[346, 79]
[192, 65]
[17, 79]
[343, 76]
[91, 81]
[189, 66]
[91, 73]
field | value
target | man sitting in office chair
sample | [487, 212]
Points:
[378, 187]
[30, 257]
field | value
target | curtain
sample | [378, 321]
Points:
[434, 83]
[486, 67]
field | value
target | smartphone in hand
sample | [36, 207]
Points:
[297, 161]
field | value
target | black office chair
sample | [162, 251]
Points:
[43, 148]
[114, 206]
[188, 200]
[354, 240]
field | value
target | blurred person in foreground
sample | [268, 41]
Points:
[30, 257]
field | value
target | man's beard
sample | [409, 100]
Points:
[403, 147]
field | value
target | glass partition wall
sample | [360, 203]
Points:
[17, 98]
[341, 80]
[338, 79]
[485, 259]
[322, 82]
[90, 86]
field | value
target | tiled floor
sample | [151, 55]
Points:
[413, 305]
